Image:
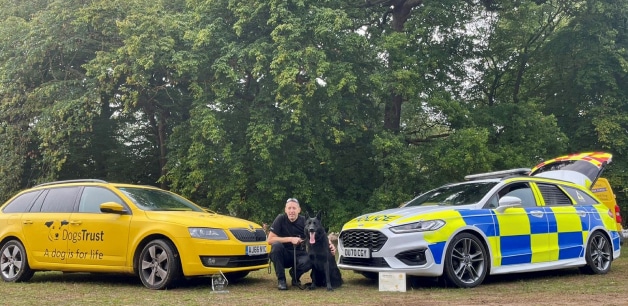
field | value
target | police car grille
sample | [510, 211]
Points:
[365, 262]
[245, 235]
[373, 240]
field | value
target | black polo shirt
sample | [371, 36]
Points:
[282, 227]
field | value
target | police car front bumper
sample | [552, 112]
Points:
[407, 253]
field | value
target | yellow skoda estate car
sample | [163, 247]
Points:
[95, 226]
[495, 223]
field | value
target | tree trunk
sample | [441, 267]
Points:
[392, 111]
[162, 147]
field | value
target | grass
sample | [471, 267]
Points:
[562, 287]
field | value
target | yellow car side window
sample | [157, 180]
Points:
[92, 197]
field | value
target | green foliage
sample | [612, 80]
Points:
[351, 108]
[465, 152]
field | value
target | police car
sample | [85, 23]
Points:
[519, 220]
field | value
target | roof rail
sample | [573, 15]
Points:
[72, 181]
[498, 174]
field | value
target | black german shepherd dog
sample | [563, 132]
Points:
[325, 272]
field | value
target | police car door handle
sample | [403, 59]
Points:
[537, 213]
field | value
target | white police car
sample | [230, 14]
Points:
[540, 219]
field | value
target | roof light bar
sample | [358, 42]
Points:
[497, 174]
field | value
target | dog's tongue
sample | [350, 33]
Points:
[312, 237]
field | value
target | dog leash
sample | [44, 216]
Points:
[294, 267]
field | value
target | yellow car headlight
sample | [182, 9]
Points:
[421, 226]
[208, 233]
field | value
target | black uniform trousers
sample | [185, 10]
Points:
[283, 257]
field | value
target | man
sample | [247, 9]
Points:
[286, 237]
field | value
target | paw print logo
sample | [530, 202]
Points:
[54, 229]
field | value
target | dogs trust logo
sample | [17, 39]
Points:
[54, 230]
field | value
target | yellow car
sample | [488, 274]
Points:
[96, 226]
[603, 191]
[495, 223]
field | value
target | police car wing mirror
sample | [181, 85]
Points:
[113, 207]
[508, 202]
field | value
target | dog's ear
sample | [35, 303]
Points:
[318, 216]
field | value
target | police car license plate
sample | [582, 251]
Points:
[252, 250]
[357, 252]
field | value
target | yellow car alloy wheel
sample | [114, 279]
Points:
[159, 264]
[13, 262]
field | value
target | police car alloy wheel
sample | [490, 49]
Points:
[466, 261]
[599, 254]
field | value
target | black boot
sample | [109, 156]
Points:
[282, 285]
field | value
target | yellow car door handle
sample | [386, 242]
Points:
[76, 222]
[27, 222]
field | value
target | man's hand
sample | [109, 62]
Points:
[296, 240]
[332, 248]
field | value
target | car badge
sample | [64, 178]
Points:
[251, 229]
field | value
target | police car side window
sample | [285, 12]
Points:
[493, 202]
[580, 197]
[553, 195]
[521, 191]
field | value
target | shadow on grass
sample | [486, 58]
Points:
[113, 279]
[415, 282]
[124, 280]
[532, 276]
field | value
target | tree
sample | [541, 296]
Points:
[350, 106]
[586, 87]
[144, 76]
[48, 105]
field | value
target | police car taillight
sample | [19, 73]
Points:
[617, 214]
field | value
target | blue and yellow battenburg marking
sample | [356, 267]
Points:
[526, 235]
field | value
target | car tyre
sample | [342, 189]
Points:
[159, 265]
[466, 261]
[14, 263]
[599, 254]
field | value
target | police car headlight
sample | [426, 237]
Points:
[208, 233]
[421, 226]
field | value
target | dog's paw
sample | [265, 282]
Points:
[329, 288]
[312, 287]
